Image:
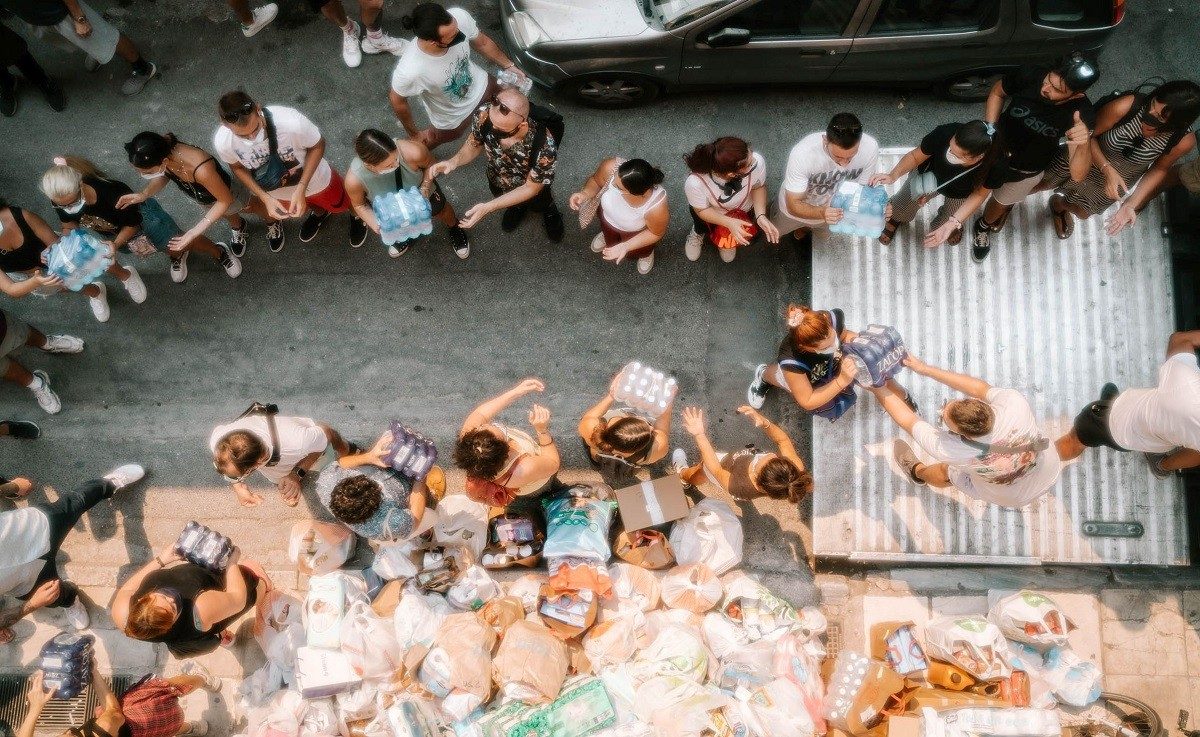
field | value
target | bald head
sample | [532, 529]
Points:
[514, 101]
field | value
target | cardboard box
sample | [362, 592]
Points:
[903, 726]
[321, 673]
[652, 503]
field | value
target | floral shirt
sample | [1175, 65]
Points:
[508, 168]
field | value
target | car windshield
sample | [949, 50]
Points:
[675, 13]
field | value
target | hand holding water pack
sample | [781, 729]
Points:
[79, 258]
[863, 209]
[412, 455]
[403, 215]
[66, 663]
[878, 352]
[644, 389]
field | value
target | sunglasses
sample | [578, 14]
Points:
[458, 38]
[505, 109]
[238, 114]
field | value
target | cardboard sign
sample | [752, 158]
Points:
[652, 503]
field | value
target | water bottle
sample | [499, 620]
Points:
[509, 78]
[79, 258]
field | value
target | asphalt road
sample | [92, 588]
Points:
[354, 338]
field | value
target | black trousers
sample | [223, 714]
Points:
[63, 514]
[14, 52]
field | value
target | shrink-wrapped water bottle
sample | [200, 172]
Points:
[862, 209]
[79, 259]
[403, 215]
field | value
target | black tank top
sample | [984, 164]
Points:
[189, 581]
[28, 255]
[197, 191]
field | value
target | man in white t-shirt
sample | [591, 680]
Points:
[991, 448]
[438, 70]
[815, 167]
[1161, 421]
[283, 449]
[279, 155]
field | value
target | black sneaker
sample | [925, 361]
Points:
[553, 221]
[461, 242]
[238, 240]
[1109, 392]
[275, 237]
[8, 99]
[513, 217]
[22, 430]
[54, 95]
[358, 232]
[981, 243]
[756, 393]
[312, 225]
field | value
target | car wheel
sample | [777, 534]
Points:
[970, 87]
[613, 91]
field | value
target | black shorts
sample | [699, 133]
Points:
[1091, 426]
[316, 5]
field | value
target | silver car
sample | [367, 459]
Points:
[618, 53]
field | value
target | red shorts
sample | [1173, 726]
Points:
[333, 198]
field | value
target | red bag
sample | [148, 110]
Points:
[491, 493]
[723, 238]
[152, 709]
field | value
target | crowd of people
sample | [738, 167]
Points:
[1038, 131]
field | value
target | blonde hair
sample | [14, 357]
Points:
[66, 176]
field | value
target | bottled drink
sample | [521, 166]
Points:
[862, 207]
[204, 547]
[403, 215]
[66, 663]
[79, 258]
[509, 78]
[412, 455]
[645, 389]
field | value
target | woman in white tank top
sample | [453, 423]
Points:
[628, 199]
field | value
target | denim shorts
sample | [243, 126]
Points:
[157, 225]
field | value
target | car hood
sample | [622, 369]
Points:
[573, 20]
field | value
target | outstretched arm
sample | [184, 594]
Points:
[693, 422]
[896, 408]
[969, 385]
[486, 412]
[1185, 341]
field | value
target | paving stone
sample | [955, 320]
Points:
[877, 609]
[957, 604]
[1143, 632]
[1191, 638]
[1165, 694]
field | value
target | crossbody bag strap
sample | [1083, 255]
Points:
[1036, 446]
[272, 138]
[956, 176]
[268, 411]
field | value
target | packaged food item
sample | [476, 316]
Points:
[473, 589]
[896, 644]
[648, 549]
[204, 547]
[321, 672]
[568, 613]
[319, 547]
[577, 527]
[324, 608]
[878, 352]
[66, 664]
[970, 642]
[531, 663]
[858, 692]
[1032, 618]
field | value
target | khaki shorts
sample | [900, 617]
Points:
[1011, 193]
[14, 339]
[786, 223]
[1189, 175]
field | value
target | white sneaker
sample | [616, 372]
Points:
[645, 264]
[135, 286]
[679, 461]
[230, 262]
[598, 243]
[77, 614]
[692, 246]
[395, 252]
[263, 16]
[99, 304]
[212, 684]
[63, 344]
[351, 50]
[385, 43]
[179, 268]
[45, 396]
[756, 393]
[727, 254]
[123, 476]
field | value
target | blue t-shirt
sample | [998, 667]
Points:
[392, 521]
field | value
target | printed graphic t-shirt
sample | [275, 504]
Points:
[812, 173]
[449, 86]
[709, 190]
[1031, 127]
[295, 133]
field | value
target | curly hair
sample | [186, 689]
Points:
[779, 478]
[481, 453]
[355, 499]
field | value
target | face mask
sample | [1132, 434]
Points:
[1148, 119]
[76, 207]
[951, 158]
[390, 169]
[500, 135]
[828, 351]
[156, 175]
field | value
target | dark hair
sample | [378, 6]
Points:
[149, 149]
[3, 203]
[425, 20]
[355, 499]
[639, 176]
[480, 453]
[240, 448]
[844, 130]
[1181, 103]
[624, 435]
[721, 156]
[779, 478]
[973, 417]
[232, 102]
[1078, 71]
[973, 137]
[373, 146]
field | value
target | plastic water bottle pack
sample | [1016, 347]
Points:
[403, 215]
[878, 352]
[509, 78]
[862, 209]
[66, 663]
[642, 388]
[204, 547]
[412, 454]
[79, 258]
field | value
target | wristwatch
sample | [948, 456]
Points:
[81, 19]
[300, 472]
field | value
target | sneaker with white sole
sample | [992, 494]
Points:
[179, 267]
[212, 684]
[395, 252]
[122, 476]
[275, 237]
[598, 243]
[907, 460]
[461, 241]
[692, 246]
[196, 728]
[135, 286]
[383, 44]
[137, 81]
[727, 254]
[99, 304]
[358, 232]
[45, 396]
[679, 461]
[238, 240]
[263, 15]
[351, 50]
[63, 344]
[228, 261]
[756, 393]
[77, 614]
[1155, 462]
[645, 264]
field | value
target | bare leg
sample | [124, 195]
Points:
[1068, 446]
[371, 10]
[204, 245]
[91, 291]
[127, 51]
[118, 271]
[36, 339]
[336, 13]
[241, 9]
[769, 376]
[18, 374]
[447, 216]
[1181, 459]
[994, 213]
[186, 684]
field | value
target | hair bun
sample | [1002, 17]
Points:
[60, 161]
[407, 22]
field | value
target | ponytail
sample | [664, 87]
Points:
[722, 156]
[780, 478]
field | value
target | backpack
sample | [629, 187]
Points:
[542, 119]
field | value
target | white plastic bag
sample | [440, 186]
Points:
[610, 643]
[370, 642]
[970, 642]
[461, 522]
[694, 587]
[279, 628]
[410, 717]
[775, 710]
[527, 588]
[284, 715]
[635, 584]
[321, 720]
[417, 618]
[1075, 681]
[722, 636]
[395, 560]
[362, 703]
[676, 651]
[1032, 618]
[474, 588]
[710, 534]
[319, 547]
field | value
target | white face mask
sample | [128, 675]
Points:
[950, 157]
[76, 207]
[156, 175]
[390, 169]
[837, 343]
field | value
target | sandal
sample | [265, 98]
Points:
[1064, 222]
[889, 232]
[6, 635]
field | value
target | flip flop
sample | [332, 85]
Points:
[1064, 222]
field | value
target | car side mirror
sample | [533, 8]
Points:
[726, 37]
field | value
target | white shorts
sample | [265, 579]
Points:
[1011, 193]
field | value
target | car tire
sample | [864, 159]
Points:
[970, 86]
[612, 91]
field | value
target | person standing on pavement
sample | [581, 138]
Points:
[283, 449]
[437, 69]
[816, 166]
[748, 473]
[160, 159]
[14, 52]
[1045, 108]
[521, 158]
[949, 162]
[279, 155]
[385, 165]
[16, 334]
[84, 197]
[727, 196]
[354, 42]
[628, 199]
[1162, 421]
[620, 434]
[363, 492]
[32, 536]
[84, 27]
[990, 449]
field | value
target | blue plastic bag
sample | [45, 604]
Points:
[578, 527]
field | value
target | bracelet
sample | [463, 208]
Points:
[759, 215]
[81, 19]
[954, 220]
[546, 445]
[300, 472]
